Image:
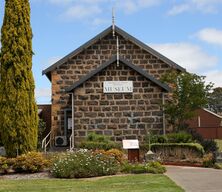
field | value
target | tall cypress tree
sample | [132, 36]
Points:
[18, 110]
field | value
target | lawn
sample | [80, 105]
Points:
[134, 183]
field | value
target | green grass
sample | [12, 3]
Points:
[128, 183]
[219, 144]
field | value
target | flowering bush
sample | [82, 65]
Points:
[84, 163]
[117, 154]
[5, 164]
[31, 162]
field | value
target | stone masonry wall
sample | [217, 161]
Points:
[119, 115]
[89, 59]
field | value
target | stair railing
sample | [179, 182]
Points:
[71, 147]
[46, 142]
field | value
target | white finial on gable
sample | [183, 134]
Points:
[113, 21]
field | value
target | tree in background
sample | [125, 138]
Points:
[215, 100]
[189, 92]
[18, 110]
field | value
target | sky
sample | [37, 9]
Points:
[189, 32]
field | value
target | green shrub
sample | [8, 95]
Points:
[83, 164]
[157, 146]
[217, 166]
[133, 168]
[151, 167]
[209, 145]
[180, 137]
[174, 152]
[126, 167]
[155, 167]
[138, 169]
[95, 141]
[195, 135]
[193, 146]
[31, 162]
[155, 139]
[208, 160]
[97, 138]
[99, 145]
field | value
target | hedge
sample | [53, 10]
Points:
[175, 151]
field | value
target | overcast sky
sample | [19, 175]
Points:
[189, 32]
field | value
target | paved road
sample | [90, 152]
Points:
[196, 179]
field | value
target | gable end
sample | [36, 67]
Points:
[127, 63]
[127, 36]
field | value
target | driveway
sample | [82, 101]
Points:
[193, 179]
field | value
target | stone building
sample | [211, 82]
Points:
[110, 85]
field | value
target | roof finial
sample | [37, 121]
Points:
[113, 21]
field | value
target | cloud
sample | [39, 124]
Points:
[43, 95]
[88, 10]
[81, 11]
[204, 6]
[210, 35]
[59, 2]
[131, 6]
[65, 2]
[214, 77]
[177, 9]
[51, 61]
[99, 21]
[42, 92]
[188, 55]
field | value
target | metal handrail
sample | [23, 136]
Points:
[70, 143]
[45, 143]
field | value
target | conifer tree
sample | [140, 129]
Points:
[18, 110]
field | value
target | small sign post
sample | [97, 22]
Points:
[132, 145]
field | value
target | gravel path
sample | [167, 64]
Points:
[42, 175]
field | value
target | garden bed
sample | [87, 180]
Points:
[19, 176]
[185, 164]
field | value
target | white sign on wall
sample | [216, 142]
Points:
[117, 86]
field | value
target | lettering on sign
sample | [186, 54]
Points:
[117, 86]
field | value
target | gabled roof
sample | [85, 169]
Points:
[123, 61]
[212, 113]
[119, 31]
